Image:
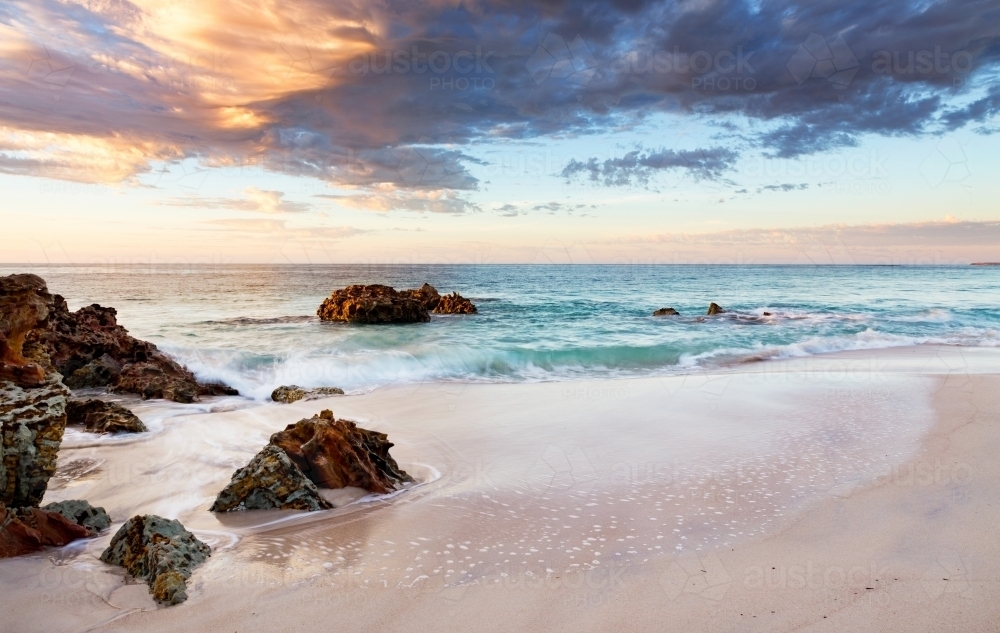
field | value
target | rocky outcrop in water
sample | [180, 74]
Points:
[27, 530]
[24, 304]
[293, 393]
[714, 309]
[90, 349]
[159, 551]
[382, 304]
[336, 453]
[98, 416]
[271, 480]
[81, 513]
[32, 421]
[666, 312]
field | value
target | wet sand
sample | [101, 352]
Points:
[854, 491]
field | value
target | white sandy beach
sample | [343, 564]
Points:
[854, 491]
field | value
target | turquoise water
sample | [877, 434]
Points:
[255, 327]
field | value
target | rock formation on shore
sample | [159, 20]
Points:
[714, 309]
[336, 453]
[24, 303]
[270, 480]
[159, 551]
[293, 393]
[27, 530]
[666, 312]
[81, 513]
[382, 304]
[99, 416]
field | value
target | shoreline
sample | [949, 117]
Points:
[510, 482]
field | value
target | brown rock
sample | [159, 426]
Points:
[426, 294]
[373, 304]
[24, 304]
[336, 453]
[455, 304]
[270, 480]
[714, 309]
[666, 312]
[27, 530]
[98, 416]
[293, 393]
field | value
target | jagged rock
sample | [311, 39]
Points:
[714, 309]
[373, 304]
[426, 294]
[293, 393]
[159, 551]
[92, 350]
[98, 416]
[270, 480]
[24, 304]
[336, 453]
[455, 304]
[32, 421]
[27, 530]
[666, 312]
[81, 513]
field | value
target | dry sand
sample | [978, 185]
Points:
[853, 491]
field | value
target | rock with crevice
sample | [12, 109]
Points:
[27, 530]
[24, 304]
[95, 519]
[666, 312]
[270, 481]
[293, 393]
[337, 453]
[159, 551]
[100, 416]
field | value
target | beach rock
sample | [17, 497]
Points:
[92, 350]
[98, 416]
[714, 309]
[159, 551]
[293, 393]
[373, 304]
[270, 480]
[27, 530]
[81, 513]
[666, 312]
[426, 294]
[336, 453]
[32, 421]
[454, 304]
[24, 304]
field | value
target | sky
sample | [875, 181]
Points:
[496, 131]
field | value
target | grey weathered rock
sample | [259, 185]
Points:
[81, 513]
[159, 551]
[32, 422]
[270, 480]
[293, 393]
[99, 416]
[666, 312]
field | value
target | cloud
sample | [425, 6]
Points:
[639, 166]
[255, 200]
[432, 201]
[280, 228]
[783, 187]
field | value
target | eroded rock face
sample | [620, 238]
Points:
[90, 349]
[81, 513]
[336, 453]
[27, 530]
[98, 416]
[159, 551]
[373, 304]
[270, 480]
[24, 304]
[454, 304]
[32, 422]
[293, 393]
[426, 294]
[714, 309]
[666, 312]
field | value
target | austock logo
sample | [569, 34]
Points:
[818, 59]
[557, 59]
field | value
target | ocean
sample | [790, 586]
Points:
[255, 326]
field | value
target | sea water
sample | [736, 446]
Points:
[255, 326]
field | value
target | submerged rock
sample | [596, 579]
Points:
[666, 312]
[98, 416]
[714, 309]
[293, 393]
[270, 480]
[455, 304]
[27, 530]
[336, 453]
[382, 304]
[24, 304]
[32, 422]
[81, 513]
[159, 551]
